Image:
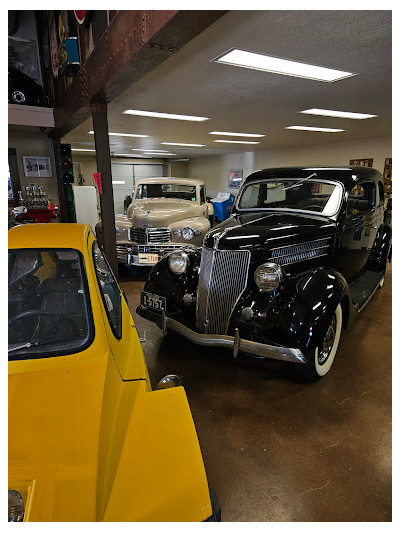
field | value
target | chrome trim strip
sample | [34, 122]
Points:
[374, 291]
[237, 344]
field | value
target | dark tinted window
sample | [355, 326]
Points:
[381, 193]
[202, 195]
[166, 190]
[48, 303]
[109, 289]
[362, 198]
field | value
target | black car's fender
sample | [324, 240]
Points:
[173, 287]
[381, 250]
[318, 293]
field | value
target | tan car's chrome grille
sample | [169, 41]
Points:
[149, 235]
[222, 280]
[287, 255]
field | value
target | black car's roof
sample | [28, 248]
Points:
[348, 175]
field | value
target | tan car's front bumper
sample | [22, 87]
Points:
[128, 251]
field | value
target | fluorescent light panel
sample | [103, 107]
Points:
[235, 134]
[339, 114]
[236, 142]
[310, 128]
[147, 150]
[241, 58]
[118, 182]
[82, 150]
[158, 154]
[183, 144]
[123, 134]
[172, 116]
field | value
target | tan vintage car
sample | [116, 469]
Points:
[166, 214]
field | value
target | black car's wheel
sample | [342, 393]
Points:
[320, 359]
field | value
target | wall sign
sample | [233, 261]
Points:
[235, 178]
[361, 162]
[97, 180]
[37, 167]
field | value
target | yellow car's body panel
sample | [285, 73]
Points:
[88, 438]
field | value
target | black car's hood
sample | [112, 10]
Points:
[267, 229]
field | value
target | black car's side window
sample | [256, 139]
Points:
[381, 193]
[362, 198]
[109, 289]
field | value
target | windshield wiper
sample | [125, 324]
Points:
[30, 344]
[300, 182]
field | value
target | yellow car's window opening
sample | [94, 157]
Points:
[48, 303]
[109, 289]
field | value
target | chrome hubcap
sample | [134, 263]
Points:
[327, 343]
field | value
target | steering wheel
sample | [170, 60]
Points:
[38, 312]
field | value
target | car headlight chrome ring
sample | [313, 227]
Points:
[16, 507]
[188, 233]
[268, 276]
[178, 262]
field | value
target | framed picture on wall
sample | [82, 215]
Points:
[361, 162]
[37, 167]
[235, 178]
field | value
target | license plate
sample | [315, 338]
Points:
[144, 259]
[153, 301]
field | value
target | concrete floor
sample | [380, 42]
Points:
[277, 450]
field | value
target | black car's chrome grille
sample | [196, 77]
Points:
[286, 255]
[149, 235]
[222, 280]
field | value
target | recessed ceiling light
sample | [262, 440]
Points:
[310, 128]
[159, 154]
[82, 150]
[340, 114]
[183, 144]
[127, 155]
[235, 134]
[147, 150]
[172, 116]
[241, 58]
[123, 134]
[236, 142]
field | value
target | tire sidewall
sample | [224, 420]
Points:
[322, 370]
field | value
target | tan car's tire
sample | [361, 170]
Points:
[320, 359]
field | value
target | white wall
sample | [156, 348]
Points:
[214, 170]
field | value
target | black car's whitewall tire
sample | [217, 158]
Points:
[320, 359]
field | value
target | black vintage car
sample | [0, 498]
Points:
[302, 253]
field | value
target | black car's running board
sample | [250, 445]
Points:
[364, 289]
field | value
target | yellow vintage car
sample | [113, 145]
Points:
[88, 438]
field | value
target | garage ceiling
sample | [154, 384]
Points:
[243, 100]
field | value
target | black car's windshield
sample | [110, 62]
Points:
[293, 194]
[48, 304]
[166, 190]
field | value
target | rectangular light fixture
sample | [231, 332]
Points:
[123, 134]
[241, 58]
[236, 142]
[339, 114]
[310, 128]
[183, 144]
[235, 134]
[158, 154]
[118, 182]
[171, 116]
[127, 155]
[147, 150]
[82, 150]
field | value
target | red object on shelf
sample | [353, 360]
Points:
[38, 215]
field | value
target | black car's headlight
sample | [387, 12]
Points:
[268, 276]
[178, 262]
[16, 508]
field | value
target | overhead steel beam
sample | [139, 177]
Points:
[132, 45]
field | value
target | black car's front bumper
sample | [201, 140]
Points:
[226, 341]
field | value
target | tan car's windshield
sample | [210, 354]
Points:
[166, 190]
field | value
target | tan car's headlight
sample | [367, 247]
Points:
[268, 276]
[178, 262]
[16, 508]
[188, 233]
